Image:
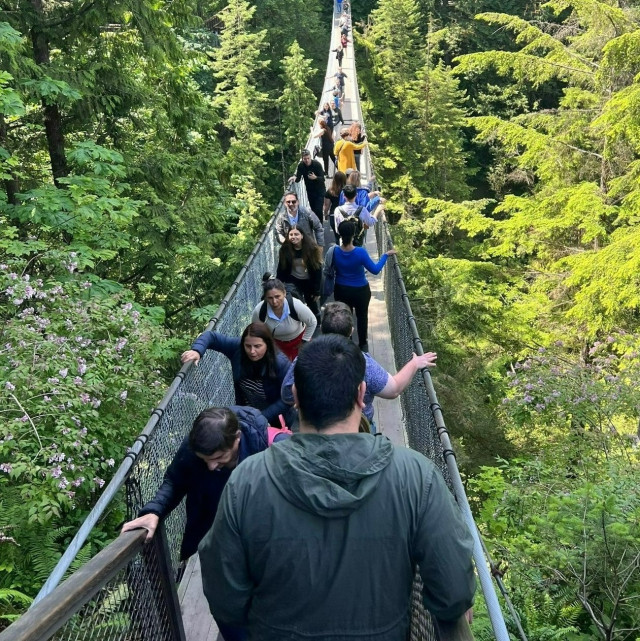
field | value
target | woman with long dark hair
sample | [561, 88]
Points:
[351, 284]
[326, 145]
[288, 319]
[257, 368]
[332, 199]
[300, 263]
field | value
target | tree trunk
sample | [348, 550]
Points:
[10, 184]
[52, 117]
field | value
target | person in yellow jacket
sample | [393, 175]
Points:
[343, 151]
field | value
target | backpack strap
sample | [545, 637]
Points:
[262, 313]
[358, 211]
[292, 308]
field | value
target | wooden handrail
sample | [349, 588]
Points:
[453, 630]
[46, 617]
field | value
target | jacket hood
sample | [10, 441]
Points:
[253, 426]
[329, 475]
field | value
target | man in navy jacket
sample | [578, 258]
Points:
[220, 439]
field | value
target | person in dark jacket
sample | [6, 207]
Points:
[313, 174]
[318, 538]
[257, 367]
[220, 439]
[296, 216]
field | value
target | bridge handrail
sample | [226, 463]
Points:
[384, 239]
[52, 612]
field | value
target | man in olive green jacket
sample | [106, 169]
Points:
[317, 538]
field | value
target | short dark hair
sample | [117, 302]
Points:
[215, 429]
[349, 191]
[337, 319]
[305, 152]
[327, 376]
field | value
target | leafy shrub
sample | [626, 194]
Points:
[77, 382]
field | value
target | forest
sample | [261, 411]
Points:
[143, 146]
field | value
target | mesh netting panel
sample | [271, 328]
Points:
[416, 406]
[132, 606]
[205, 385]
[419, 423]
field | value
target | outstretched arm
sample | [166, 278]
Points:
[443, 550]
[398, 383]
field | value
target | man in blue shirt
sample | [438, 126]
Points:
[338, 319]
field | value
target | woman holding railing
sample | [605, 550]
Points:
[351, 284]
[257, 367]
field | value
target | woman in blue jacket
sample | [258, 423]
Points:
[257, 367]
[352, 286]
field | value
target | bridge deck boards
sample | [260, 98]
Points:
[198, 622]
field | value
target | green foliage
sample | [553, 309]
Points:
[236, 63]
[564, 526]
[297, 101]
[79, 374]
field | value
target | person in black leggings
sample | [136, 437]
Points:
[351, 285]
[326, 145]
[332, 200]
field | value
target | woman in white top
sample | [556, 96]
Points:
[291, 322]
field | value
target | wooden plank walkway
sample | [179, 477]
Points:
[198, 622]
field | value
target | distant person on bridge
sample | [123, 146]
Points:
[338, 319]
[300, 263]
[325, 114]
[257, 368]
[319, 537]
[296, 216]
[313, 174]
[332, 199]
[288, 319]
[352, 286]
[357, 136]
[337, 116]
[340, 77]
[220, 439]
[326, 146]
[344, 149]
[343, 22]
[339, 51]
[364, 197]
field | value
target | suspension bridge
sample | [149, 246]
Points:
[129, 590]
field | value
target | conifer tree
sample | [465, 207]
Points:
[236, 64]
[297, 102]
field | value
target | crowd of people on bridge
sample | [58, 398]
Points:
[314, 531]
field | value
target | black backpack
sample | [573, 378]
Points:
[355, 218]
[292, 292]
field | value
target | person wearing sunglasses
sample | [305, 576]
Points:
[295, 216]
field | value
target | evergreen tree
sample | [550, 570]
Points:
[297, 102]
[236, 64]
